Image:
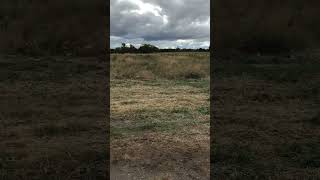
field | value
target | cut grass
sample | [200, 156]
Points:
[169, 101]
[166, 112]
[66, 129]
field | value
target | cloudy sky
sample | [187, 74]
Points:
[166, 24]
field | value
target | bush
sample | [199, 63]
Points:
[148, 48]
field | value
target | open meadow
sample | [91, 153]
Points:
[265, 117]
[160, 116]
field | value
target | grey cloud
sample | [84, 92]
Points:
[160, 21]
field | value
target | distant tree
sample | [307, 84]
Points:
[117, 50]
[148, 48]
[201, 50]
[125, 49]
[132, 49]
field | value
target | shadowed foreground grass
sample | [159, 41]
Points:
[266, 117]
[52, 118]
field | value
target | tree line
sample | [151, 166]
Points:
[149, 48]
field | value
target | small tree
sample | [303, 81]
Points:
[132, 49]
[148, 48]
[125, 49]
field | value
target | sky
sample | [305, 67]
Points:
[163, 23]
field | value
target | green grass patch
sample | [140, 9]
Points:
[204, 110]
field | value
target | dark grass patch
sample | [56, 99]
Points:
[204, 110]
[142, 128]
[68, 128]
[145, 126]
[193, 75]
[235, 161]
[129, 102]
[143, 115]
[200, 83]
[301, 154]
[315, 120]
[44, 69]
[69, 163]
[234, 154]
[277, 73]
[184, 111]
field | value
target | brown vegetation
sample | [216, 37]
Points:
[160, 65]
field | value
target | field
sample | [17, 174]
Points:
[266, 116]
[160, 116]
[52, 118]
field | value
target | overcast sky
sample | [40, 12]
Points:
[164, 23]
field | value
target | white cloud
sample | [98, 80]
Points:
[144, 7]
[176, 23]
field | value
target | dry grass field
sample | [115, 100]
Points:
[266, 117]
[160, 116]
[52, 118]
